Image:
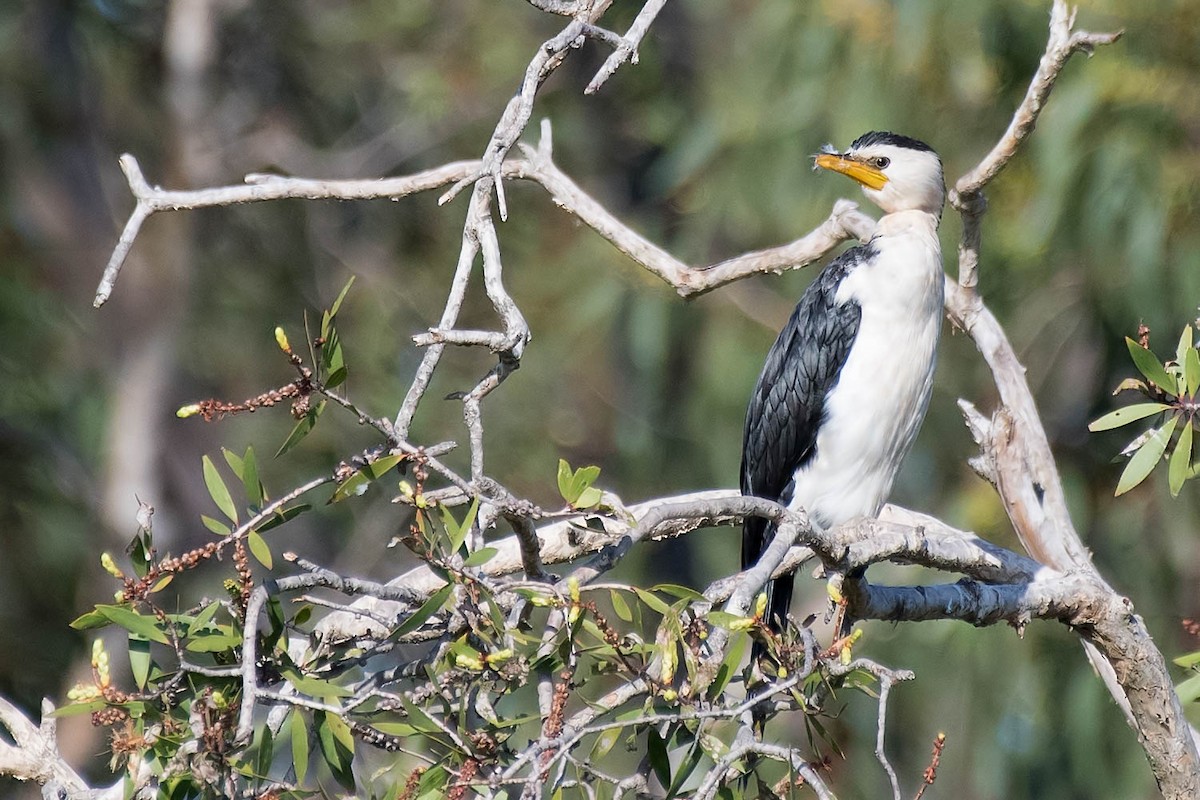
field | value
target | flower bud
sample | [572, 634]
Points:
[188, 411]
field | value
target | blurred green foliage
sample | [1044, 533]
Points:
[704, 146]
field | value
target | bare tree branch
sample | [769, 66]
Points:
[967, 194]
[33, 755]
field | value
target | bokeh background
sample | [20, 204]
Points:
[704, 147]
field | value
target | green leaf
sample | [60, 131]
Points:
[427, 610]
[653, 602]
[282, 516]
[418, 718]
[1191, 371]
[314, 687]
[139, 659]
[1189, 690]
[480, 556]
[1126, 415]
[675, 590]
[204, 618]
[656, 752]
[1181, 460]
[258, 546]
[1149, 365]
[564, 481]
[604, 743]
[215, 525]
[90, 620]
[686, 768]
[620, 606]
[337, 304]
[301, 429]
[218, 490]
[213, 643]
[234, 461]
[337, 376]
[1146, 458]
[266, 749]
[456, 531]
[75, 709]
[1185, 344]
[337, 746]
[357, 483]
[583, 478]
[1189, 661]
[144, 626]
[588, 498]
[250, 481]
[733, 657]
[299, 732]
[433, 782]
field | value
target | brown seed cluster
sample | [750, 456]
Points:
[930, 774]
[459, 790]
[410, 785]
[135, 590]
[245, 578]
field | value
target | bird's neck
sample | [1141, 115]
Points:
[913, 221]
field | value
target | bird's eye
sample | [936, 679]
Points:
[880, 162]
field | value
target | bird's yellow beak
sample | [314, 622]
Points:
[865, 174]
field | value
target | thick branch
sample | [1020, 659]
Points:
[33, 755]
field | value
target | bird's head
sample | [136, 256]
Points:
[897, 173]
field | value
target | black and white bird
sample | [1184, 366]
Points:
[845, 386]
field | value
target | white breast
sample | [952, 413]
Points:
[874, 411]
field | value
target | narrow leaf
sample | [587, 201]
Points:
[588, 498]
[357, 483]
[314, 687]
[74, 709]
[144, 626]
[427, 610]
[656, 752]
[218, 490]
[1126, 415]
[215, 525]
[1189, 661]
[1191, 371]
[1181, 460]
[337, 376]
[1185, 344]
[282, 516]
[682, 592]
[604, 743]
[1189, 690]
[564, 481]
[1146, 458]
[620, 606]
[331, 733]
[260, 549]
[480, 557]
[1149, 365]
[89, 620]
[234, 461]
[299, 732]
[139, 659]
[250, 481]
[583, 478]
[301, 429]
[653, 602]
[337, 304]
[213, 643]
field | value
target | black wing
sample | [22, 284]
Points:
[788, 402]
